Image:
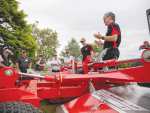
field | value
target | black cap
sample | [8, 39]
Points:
[40, 55]
[67, 52]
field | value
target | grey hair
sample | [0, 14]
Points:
[112, 15]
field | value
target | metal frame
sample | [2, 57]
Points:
[148, 18]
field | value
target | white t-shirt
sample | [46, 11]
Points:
[56, 62]
[68, 60]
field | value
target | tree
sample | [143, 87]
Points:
[73, 47]
[14, 31]
[47, 41]
[97, 50]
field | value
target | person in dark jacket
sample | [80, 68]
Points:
[23, 63]
[40, 65]
[86, 50]
[7, 60]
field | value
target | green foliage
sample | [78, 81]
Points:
[47, 41]
[124, 65]
[14, 31]
[74, 48]
[97, 50]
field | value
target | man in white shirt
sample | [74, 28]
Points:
[55, 64]
[67, 60]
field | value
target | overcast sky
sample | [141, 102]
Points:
[83, 18]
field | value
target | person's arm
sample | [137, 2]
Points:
[92, 54]
[59, 63]
[71, 58]
[17, 66]
[53, 64]
[112, 38]
[30, 65]
[1, 60]
[99, 42]
[11, 65]
[42, 65]
[67, 62]
[38, 62]
[2, 65]
[82, 57]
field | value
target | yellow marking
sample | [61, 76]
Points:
[61, 78]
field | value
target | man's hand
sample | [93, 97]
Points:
[18, 70]
[99, 42]
[99, 36]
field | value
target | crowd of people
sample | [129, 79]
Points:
[111, 41]
[22, 63]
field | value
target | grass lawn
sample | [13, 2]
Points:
[48, 107]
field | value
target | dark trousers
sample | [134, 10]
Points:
[55, 70]
[23, 70]
[112, 54]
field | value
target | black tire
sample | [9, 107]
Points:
[18, 107]
[139, 63]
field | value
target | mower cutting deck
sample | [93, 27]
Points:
[122, 99]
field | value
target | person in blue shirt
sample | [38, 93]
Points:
[68, 58]
[55, 64]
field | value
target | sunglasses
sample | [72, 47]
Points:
[82, 41]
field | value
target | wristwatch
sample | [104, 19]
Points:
[102, 37]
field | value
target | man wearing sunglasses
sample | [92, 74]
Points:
[86, 49]
[112, 39]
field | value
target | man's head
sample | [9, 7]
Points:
[83, 41]
[108, 18]
[55, 57]
[6, 52]
[68, 53]
[40, 56]
[24, 53]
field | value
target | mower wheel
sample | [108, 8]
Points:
[18, 107]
